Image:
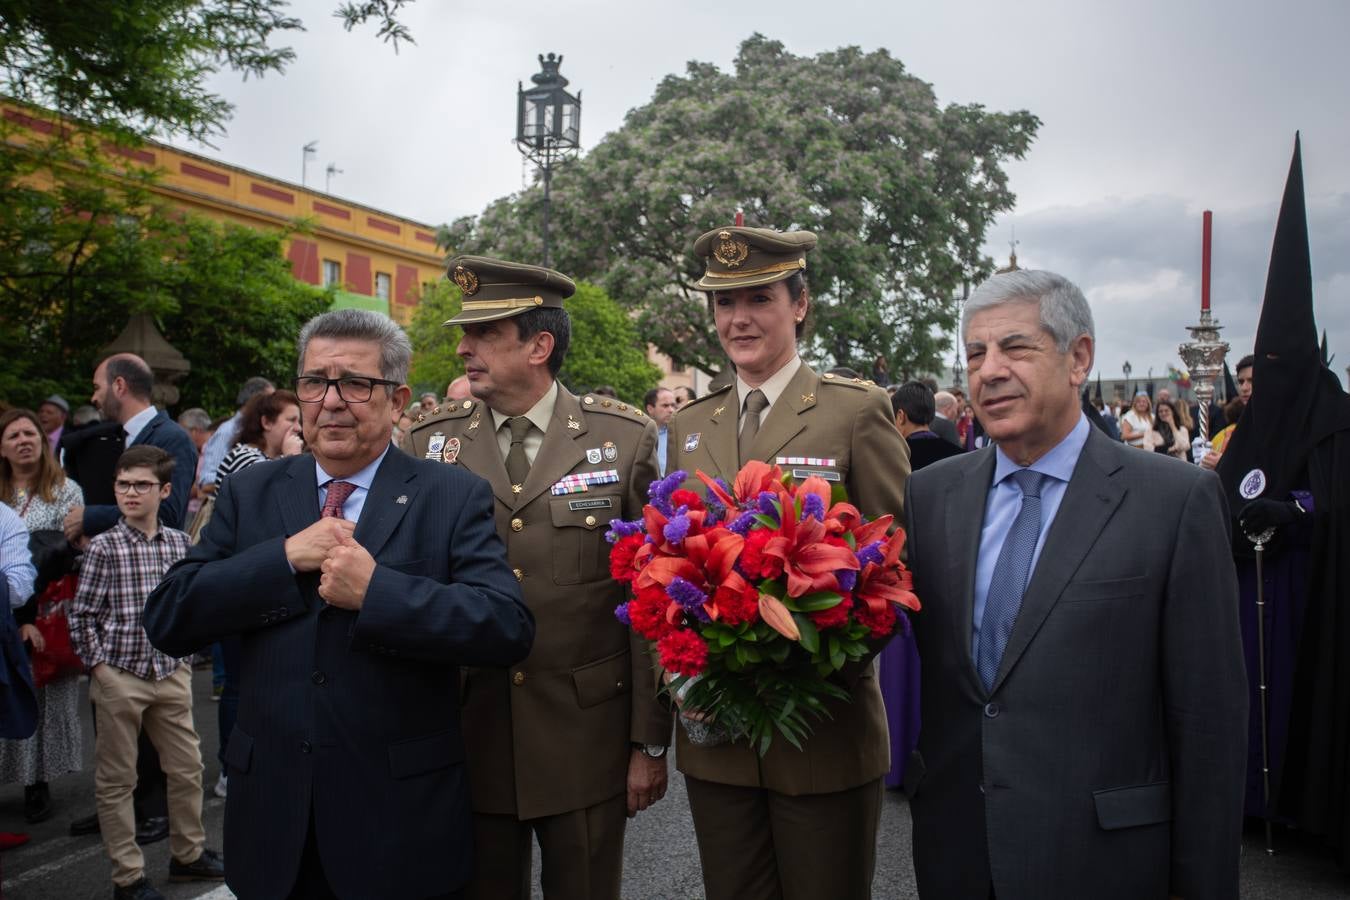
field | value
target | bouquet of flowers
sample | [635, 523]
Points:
[758, 594]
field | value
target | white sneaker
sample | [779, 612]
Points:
[219, 789]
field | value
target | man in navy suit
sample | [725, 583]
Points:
[359, 580]
[122, 388]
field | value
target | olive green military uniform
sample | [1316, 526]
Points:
[795, 823]
[549, 740]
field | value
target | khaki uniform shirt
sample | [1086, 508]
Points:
[841, 430]
[554, 733]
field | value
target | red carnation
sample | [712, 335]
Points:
[647, 612]
[688, 498]
[834, 617]
[737, 606]
[880, 622]
[753, 560]
[683, 652]
[621, 557]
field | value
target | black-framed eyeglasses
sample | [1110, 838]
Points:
[350, 388]
[135, 487]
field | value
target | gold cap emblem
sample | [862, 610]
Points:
[467, 280]
[730, 251]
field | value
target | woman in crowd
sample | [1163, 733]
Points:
[1174, 437]
[33, 484]
[795, 823]
[1136, 426]
[269, 428]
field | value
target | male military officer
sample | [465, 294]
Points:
[570, 741]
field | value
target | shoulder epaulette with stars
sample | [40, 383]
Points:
[593, 403]
[457, 409]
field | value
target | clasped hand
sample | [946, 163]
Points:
[329, 548]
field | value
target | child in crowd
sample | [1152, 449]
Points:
[133, 684]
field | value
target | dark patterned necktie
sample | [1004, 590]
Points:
[517, 463]
[1009, 582]
[755, 403]
[338, 492]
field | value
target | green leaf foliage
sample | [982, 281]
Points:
[435, 363]
[606, 348]
[847, 144]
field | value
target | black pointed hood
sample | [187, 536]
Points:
[1295, 400]
[1229, 385]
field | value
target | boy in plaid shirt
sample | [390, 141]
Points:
[133, 684]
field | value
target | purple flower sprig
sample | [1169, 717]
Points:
[872, 553]
[813, 507]
[677, 528]
[743, 523]
[689, 597]
[660, 492]
[618, 528]
[767, 504]
[621, 613]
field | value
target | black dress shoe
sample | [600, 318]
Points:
[151, 830]
[210, 866]
[141, 890]
[87, 825]
[37, 802]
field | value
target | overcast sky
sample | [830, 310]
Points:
[1152, 111]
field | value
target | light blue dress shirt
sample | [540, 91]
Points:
[1005, 500]
[356, 501]
[16, 565]
[217, 445]
[662, 435]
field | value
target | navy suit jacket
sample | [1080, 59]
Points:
[169, 436]
[18, 699]
[353, 716]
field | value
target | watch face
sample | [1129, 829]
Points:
[655, 751]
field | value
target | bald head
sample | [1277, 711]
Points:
[945, 402]
[122, 386]
[458, 389]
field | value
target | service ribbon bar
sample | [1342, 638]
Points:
[806, 461]
[580, 482]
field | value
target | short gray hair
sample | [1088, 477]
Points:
[1064, 310]
[360, 325]
[195, 418]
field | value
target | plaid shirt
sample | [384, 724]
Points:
[120, 569]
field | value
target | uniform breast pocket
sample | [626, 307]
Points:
[580, 551]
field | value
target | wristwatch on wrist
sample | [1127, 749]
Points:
[651, 751]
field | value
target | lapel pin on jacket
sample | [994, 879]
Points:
[402, 499]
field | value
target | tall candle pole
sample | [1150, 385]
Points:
[1203, 354]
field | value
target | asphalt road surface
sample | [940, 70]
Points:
[661, 854]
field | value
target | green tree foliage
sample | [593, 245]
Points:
[606, 347]
[84, 244]
[846, 144]
[434, 362]
[144, 65]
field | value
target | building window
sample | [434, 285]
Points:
[382, 285]
[332, 273]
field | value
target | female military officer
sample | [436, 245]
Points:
[796, 823]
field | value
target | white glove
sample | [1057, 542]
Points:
[1199, 447]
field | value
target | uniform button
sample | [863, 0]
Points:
[306, 747]
[284, 611]
[517, 525]
[590, 520]
[991, 710]
[318, 678]
[518, 679]
[519, 573]
[619, 685]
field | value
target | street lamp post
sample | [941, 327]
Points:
[548, 126]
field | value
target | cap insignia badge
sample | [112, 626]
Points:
[467, 280]
[730, 251]
[611, 452]
[451, 451]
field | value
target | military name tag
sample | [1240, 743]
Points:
[592, 503]
[807, 473]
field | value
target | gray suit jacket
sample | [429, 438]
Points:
[945, 429]
[1108, 759]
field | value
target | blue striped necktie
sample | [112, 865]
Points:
[1009, 582]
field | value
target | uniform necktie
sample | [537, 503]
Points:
[338, 492]
[755, 403]
[1009, 582]
[517, 463]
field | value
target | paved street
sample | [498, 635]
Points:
[662, 859]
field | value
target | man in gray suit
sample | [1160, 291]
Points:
[1084, 711]
[944, 420]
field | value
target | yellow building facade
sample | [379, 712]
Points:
[372, 258]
